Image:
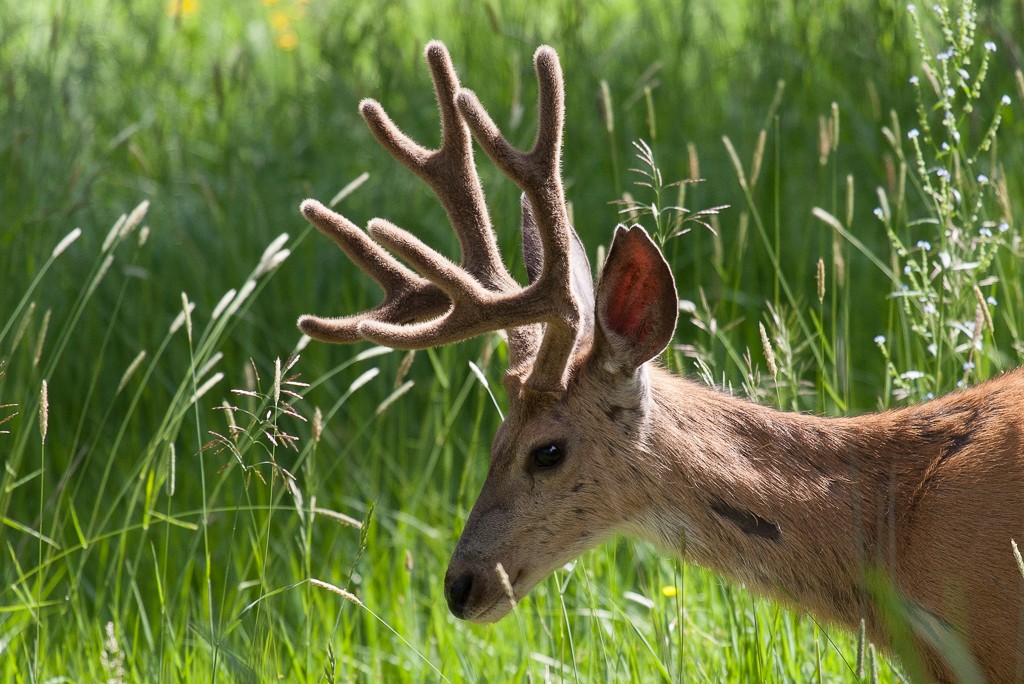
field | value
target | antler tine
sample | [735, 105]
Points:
[407, 296]
[475, 310]
[454, 280]
[449, 171]
[537, 172]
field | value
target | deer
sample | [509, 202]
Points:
[921, 504]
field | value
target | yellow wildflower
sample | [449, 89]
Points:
[182, 8]
[280, 21]
[287, 41]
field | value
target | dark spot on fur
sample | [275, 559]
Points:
[748, 522]
[580, 512]
[945, 433]
[577, 487]
[950, 430]
[958, 442]
[613, 413]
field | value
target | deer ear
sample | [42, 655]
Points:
[637, 306]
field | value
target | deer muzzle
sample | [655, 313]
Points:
[479, 593]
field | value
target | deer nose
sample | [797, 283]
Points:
[456, 593]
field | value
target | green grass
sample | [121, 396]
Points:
[189, 493]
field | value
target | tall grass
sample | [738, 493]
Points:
[190, 492]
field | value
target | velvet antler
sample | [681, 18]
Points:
[447, 303]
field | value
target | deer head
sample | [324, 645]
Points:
[577, 379]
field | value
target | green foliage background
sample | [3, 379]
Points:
[144, 540]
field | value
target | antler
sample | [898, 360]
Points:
[450, 303]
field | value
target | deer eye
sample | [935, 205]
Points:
[547, 456]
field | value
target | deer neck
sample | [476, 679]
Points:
[797, 506]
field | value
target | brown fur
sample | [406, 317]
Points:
[902, 519]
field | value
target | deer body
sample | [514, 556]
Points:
[806, 508]
[829, 514]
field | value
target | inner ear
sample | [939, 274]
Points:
[637, 305]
